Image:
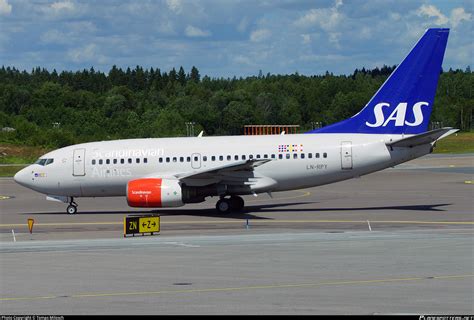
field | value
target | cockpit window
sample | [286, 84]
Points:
[41, 162]
[44, 162]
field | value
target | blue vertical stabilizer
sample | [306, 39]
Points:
[403, 104]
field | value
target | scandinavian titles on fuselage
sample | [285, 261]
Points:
[108, 172]
[123, 153]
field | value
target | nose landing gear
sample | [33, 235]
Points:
[72, 207]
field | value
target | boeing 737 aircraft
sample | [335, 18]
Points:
[170, 172]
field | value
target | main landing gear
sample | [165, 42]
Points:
[72, 207]
[232, 204]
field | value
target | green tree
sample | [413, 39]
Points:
[181, 76]
[195, 74]
[168, 124]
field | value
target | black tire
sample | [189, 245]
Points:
[237, 203]
[71, 209]
[223, 206]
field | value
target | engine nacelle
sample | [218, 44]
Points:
[154, 193]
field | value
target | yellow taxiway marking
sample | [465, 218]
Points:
[263, 221]
[229, 289]
[63, 224]
[239, 221]
[468, 182]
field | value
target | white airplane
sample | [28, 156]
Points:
[170, 172]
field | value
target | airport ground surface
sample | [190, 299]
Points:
[304, 252]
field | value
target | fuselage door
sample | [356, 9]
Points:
[79, 162]
[196, 160]
[346, 155]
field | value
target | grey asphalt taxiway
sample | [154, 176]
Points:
[394, 242]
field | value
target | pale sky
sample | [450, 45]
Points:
[224, 38]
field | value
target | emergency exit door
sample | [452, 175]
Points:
[79, 162]
[346, 155]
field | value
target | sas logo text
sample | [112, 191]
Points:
[398, 115]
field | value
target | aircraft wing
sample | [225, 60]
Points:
[217, 172]
[240, 173]
[423, 138]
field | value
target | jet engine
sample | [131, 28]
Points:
[154, 192]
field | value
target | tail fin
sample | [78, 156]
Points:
[403, 104]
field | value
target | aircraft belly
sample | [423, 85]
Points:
[104, 188]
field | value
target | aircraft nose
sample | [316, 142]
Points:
[23, 177]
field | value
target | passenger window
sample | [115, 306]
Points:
[221, 158]
[122, 161]
[295, 156]
[213, 158]
[137, 160]
[181, 159]
[317, 155]
[302, 156]
[204, 158]
[251, 156]
[280, 156]
[258, 156]
[196, 158]
[115, 161]
[107, 161]
[145, 160]
[325, 155]
[188, 159]
[100, 161]
[175, 159]
[129, 160]
[243, 157]
[310, 155]
[265, 156]
[160, 160]
[236, 157]
[167, 159]
[229, 158]
[273, 156]
[288, 156]
[93, 161]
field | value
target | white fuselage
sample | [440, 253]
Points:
[100, 169]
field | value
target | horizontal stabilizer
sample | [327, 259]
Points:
[423, 138]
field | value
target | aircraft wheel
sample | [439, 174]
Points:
[71, 209]
[223, 206]
[237, 203]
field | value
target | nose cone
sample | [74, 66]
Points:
[23, 177]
